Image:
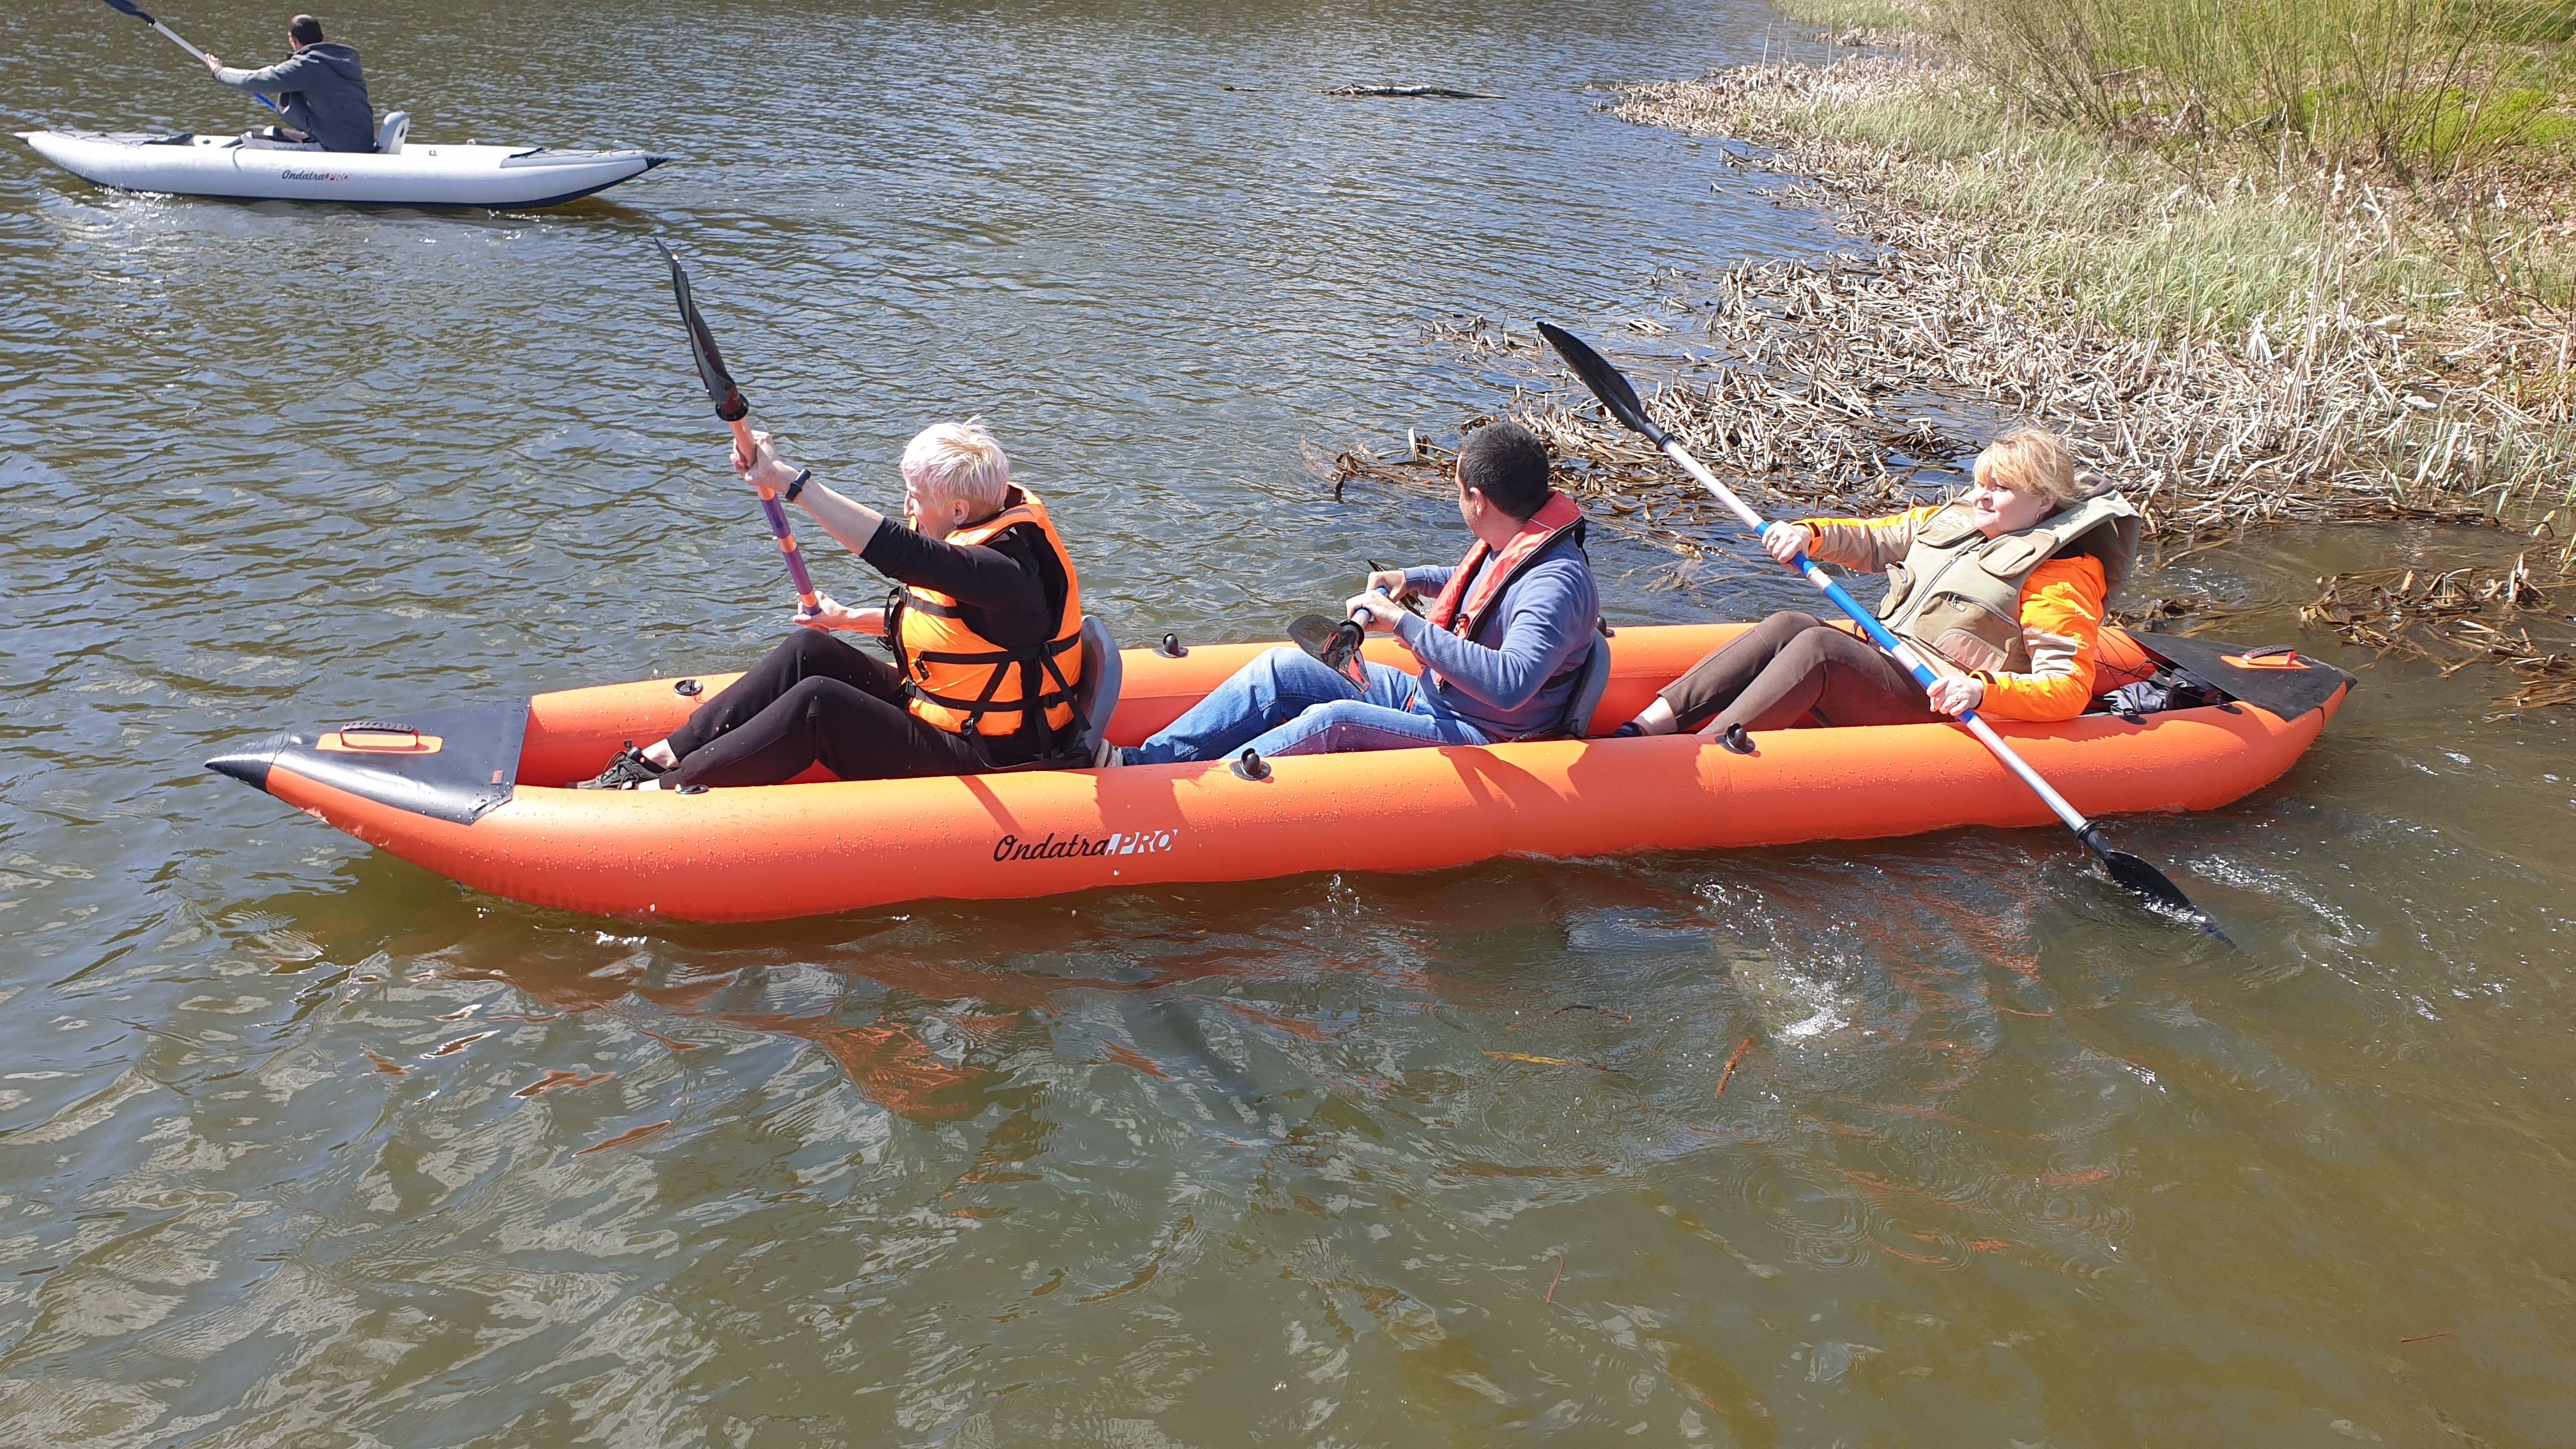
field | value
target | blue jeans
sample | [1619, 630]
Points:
[1287, 703]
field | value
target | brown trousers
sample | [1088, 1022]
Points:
[1789, 665]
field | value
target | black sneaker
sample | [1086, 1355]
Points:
[625, 772]
[1628, 731]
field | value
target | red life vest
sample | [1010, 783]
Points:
[1463, 612]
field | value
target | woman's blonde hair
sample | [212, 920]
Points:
[2032, 460]
[960, 460]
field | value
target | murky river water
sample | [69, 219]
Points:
[299, 1143]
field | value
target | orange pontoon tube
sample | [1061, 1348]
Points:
[481, 793]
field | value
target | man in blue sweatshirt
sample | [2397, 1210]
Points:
[318, 89]
[1502, 648]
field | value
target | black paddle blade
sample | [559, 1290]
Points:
[1337, 644]
[702, 343]
[128, 7]
[2148, 882]
[1605, 381]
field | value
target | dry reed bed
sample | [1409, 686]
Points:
[2324, 415]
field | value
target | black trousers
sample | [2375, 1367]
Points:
[1778, 671]
[815, 700]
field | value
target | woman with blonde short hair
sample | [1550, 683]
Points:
[985, 622]
[2002, 589]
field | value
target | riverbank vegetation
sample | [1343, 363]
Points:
[2268, 261]
[2364, 204]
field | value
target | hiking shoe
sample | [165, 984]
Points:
[1628, 731]
[1108, 756]
[628, 770]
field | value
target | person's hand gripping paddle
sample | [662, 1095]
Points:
[730, 406]
[1620, 399]
[128, 7]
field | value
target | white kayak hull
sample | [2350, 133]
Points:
[421, 174]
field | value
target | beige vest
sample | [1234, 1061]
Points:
[1958, 592]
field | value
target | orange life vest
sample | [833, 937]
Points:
[1463, 612]
[956, 679]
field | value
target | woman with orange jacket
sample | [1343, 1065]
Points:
[2003, 589]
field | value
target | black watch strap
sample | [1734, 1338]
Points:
[803, 477]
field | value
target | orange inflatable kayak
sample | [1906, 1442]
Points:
[480, 794]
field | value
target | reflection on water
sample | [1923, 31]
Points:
[1922, 1141]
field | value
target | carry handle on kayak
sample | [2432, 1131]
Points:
[128, 7]
[1619, 398]
[731, 407]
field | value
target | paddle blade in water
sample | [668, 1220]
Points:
[2148, 882]
[128, 7]
[711, 369]
[1336, 644]
[1605, 381]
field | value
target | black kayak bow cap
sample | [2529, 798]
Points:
[250, 764]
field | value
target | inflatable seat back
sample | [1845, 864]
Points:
[390, 136]
[1586, 699]
[1095, 695]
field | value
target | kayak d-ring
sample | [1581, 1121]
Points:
[1736, 740]
[688, 688]
[1250, 766]
[1172, 647]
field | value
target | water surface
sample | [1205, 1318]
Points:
[299, 1143]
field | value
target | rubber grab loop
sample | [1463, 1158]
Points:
[1737, 740]
[378, 727]
[2274, 656]
[1250, 766]
[1172, 647]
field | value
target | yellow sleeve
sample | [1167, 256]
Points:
[2061, 624]
[1868, 544]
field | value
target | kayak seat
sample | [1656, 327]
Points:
[1095, 695]
[1586, 699]
[391, 135]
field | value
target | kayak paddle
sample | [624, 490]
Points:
[1620, 399]
[128, 7]
[731, 407]
[1337, 645]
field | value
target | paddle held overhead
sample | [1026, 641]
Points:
[731, 407]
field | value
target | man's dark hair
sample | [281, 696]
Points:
[305, 29]
[1508, 464]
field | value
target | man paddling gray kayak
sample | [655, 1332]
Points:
[319, 90]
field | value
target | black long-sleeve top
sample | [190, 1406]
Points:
[1009, 590]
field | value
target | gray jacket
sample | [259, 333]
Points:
[321, 92]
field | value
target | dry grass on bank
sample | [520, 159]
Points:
[2204, 345]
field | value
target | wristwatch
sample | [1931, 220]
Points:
[803, 477]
